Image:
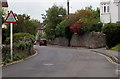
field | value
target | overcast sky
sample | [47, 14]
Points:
[35, 8]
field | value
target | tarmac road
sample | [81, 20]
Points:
[62, 62]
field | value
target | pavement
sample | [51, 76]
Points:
[112, 54]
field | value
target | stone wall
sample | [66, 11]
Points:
[62, 41]
[90, 40]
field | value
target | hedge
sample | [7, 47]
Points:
[112, 31]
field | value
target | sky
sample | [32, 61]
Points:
[35, 8]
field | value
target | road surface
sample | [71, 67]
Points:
[62, 62]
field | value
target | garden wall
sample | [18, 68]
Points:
[17, 53]
[90, 40]
[62, 41]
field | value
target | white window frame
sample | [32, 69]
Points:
[106, 8]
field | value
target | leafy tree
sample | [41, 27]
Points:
[51, 19]
[87, 17]
[96, 12]
[77, 27]
[60, 28]
[2, 14]
[25, 25]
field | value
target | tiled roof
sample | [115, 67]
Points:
[4, 4]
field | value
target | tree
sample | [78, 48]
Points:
[51, 19]
[2, 15]
[25, 25]
[77, 27]
[96, 12]
[60, 28]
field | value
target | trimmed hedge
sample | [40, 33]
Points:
[112, 31]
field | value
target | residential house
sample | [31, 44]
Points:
[40, 32]
[110, 11]
[4, 6]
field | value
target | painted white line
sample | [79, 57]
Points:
[48, 64]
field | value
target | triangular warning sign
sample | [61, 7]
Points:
[10, 18]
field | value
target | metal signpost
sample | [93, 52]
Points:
[11, 19]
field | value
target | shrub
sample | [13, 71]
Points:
[112, 31]
[21, 40]
[96, 27]
[117, 47]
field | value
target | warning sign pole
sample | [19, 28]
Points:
[11, 19]
[11, 40]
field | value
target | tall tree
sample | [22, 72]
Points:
[54, 16]
[25, 25]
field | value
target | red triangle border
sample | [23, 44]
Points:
[8, 16]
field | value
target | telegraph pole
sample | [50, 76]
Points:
[67, 7]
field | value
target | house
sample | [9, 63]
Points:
[4, 6]
[110, 11]
[40, 31]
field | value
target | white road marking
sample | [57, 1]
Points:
[48, 64]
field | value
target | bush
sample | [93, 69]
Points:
[21, 40]
[117, 47]
[112, 31]
[96, 27]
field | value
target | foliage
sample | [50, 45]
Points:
[60, 28]
[2, 12]
[117, 47]
[87, 17]
[112, 31]
[5, 34]
[96, 27]
[96, 13]
[77, 27]
[51, 19]
[25, 25]
[22, 40]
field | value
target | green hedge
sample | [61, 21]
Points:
[117, 47]
[22, 47]
[21, 40]
[112, 31]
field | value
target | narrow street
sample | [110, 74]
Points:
[62, 62]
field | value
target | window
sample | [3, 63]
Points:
[106, 8]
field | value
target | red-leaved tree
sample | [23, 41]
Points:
[77, 27]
